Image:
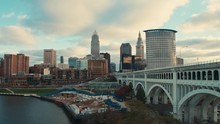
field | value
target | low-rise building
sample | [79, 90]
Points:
[63, 66]
[98, 68]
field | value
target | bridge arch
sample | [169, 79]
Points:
[140, 84]
[160, 86]
[119, 82]
[195, 92]
[130, 84]
[139, 91]
[193, 107]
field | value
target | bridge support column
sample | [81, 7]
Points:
[186, 115]
[155, 99]
[204, 109]
[176, 113]
[156, 96]
[215, 114]
[192, 106]
[148, 100]
[164, 99]
[214, 111]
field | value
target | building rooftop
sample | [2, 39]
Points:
[156, 30]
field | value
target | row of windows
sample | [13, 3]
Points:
[161, 76]
[203, 75]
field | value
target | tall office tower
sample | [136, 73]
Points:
[95, 48]
[14, 64]
[50, 57]
[140, 47]
[160, 48]
[72, 62]
[125, 50]
[22, 63]
[61, 59]
[108, 57]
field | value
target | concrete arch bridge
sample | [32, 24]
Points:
[193, 90]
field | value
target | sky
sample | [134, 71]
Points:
[29, 26]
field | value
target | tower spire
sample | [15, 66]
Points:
[139, 34]
[95, 33]
[140, 46]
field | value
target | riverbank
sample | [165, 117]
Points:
[29, 110]
[70, 100]
[65, 108]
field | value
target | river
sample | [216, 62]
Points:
[29, 110]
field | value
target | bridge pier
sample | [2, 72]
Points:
[214, 111]
[186, 115]
[164, 98]
[148, 100]
[176, 113]
[155, 99]
[156, 96]
[204, 107]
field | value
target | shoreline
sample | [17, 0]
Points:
[65, 108]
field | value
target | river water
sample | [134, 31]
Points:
[29, 110]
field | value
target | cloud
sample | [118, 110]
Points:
[8, 15]
[68, 17]
[209, 20]
[203, 43]
[75, 51]
[16, 35]
[65, 17]
[200, 49]
[22, 17]
[115, 21]
[35, 56]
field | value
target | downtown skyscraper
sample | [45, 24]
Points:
[95, 47]
[50, 57]
[125, 50]
[140, 47]
[160, 48]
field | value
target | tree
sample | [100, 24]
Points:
[123, 92]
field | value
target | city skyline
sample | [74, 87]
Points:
[29, 27]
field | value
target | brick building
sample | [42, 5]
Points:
[97, 68]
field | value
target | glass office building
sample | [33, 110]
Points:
[160, 48]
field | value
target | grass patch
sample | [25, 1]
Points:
[37, 91]
[4, 91]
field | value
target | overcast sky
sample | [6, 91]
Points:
[29, 26]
